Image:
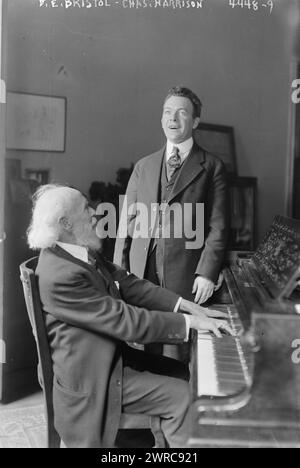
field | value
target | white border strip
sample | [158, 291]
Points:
[2, 352]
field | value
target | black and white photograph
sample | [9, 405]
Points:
[149, 226]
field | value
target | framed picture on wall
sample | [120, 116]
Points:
[37, 177]
[35, 122]
[12, 168]
[218, 140]
[40, 175]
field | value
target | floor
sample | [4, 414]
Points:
[22, 425]
[31, 400]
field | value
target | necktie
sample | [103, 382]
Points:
[174, 162]
[92, 258]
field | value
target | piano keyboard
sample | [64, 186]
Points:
[222, 367]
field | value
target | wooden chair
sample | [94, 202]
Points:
[36, 317]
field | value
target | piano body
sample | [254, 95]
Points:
[246, 388]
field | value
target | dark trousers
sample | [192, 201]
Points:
[180, 352]
[151, 275]
[157, 386]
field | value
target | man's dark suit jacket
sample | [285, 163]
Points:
[202, 179]
[87, 320]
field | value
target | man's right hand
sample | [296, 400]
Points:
[210, 324]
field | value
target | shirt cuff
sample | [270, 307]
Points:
[188, 326]
[177, 305]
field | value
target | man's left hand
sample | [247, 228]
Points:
[201, 312]
[203, 289]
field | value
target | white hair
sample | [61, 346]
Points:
[52, 202]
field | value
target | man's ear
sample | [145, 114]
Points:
[65, 223]
[196, 122]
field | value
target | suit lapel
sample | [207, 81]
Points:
[64, 254]
[191, 168]
[153, 175]
[103, 270]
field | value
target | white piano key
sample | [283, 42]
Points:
[207, 372]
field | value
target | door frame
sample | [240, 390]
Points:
[3, 42]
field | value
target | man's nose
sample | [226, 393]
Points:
[92, 213]
[173, 116]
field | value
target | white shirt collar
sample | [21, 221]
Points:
[184, 148]
[76, 251]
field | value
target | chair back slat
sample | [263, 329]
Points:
[37, 321]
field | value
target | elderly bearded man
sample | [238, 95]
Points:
[91, 308]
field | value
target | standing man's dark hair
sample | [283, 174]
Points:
[187, 93]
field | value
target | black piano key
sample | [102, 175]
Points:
[231, 388]
[232, 363]
[229, 370]
[231, 376]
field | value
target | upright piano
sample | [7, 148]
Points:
[246, 387]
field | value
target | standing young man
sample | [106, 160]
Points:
[180, 174]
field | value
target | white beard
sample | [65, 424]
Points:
[88, 238]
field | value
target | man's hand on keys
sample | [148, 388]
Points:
[198, 311]
[216, 326]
